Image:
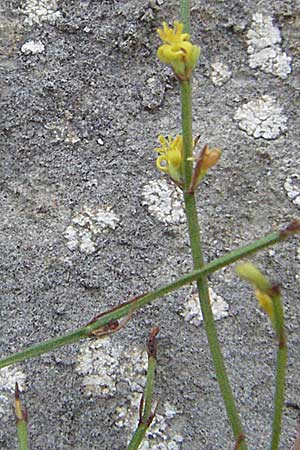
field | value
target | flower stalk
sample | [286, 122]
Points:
[281, 362]
[197, 253]
[269, 299]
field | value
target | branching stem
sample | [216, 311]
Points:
[132, 305]
[197, 253]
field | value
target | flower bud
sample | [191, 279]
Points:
[210, 157]
[251, 273]
[261, 284]
[177, 51]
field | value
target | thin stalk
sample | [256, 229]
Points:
[185, 15]
[198, 260]
[280, 372]
[187, 134]
[21, 421]
[143, 300]
[146, 414]
[197, 254]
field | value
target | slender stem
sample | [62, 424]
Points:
[280, 372]
[143, 426]
[146, 414]
[21, 421]
[185, 15]
[139, 302]
[197, 254]
[196, 248]
[187, 134]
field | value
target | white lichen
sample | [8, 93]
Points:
[220, 73]
[292, 188]
[164, 202]
[192, 312]
[160, 435]
[105, 363]
[39, 11]
[87, 225]
[262, 118]
[9, 376]
[264, 51]
[32, 47]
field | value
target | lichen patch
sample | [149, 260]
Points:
[262, 118]
[39, 11]
[292, 188]
[160, 435]
[220, 73]
[164, 202]
[191, 311]
[264, 50]
[104, 362]
[86, 226]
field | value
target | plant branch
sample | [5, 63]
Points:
[21, 421]
[280, 368]
[124, 309]
[146, 414]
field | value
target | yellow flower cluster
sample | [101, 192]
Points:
[177, 51]
[170, 159]
[170, 156]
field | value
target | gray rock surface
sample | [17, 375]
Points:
[83, 227]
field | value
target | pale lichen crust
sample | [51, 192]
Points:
[191, 311]
[292, 188]
[262, 118]
[86, 225]
[39, 11]
[220, 73]
[164, 202]
[264, 51]
[105, 364]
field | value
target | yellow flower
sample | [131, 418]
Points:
[173, 35]
[177, 50]
[265, 302]
[261, 284]
[170, 157]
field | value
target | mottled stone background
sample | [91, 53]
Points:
[87, 221]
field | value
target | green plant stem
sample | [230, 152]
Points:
[280, 372]
[187, 137]
[185, 15]
[22, 433]
[137, 303]
[146, 415]
[198, 260]
[21, 421]
[197, 253]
